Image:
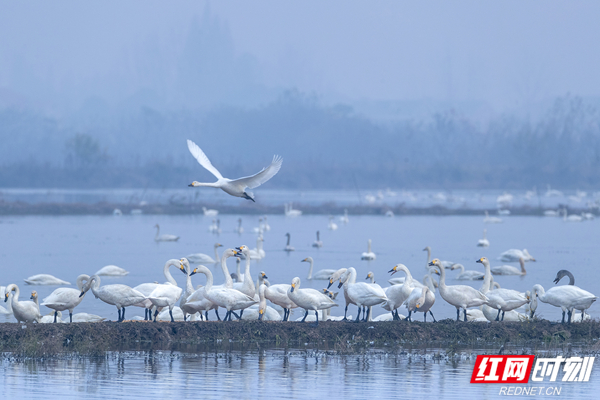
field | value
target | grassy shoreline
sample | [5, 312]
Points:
[40, 340]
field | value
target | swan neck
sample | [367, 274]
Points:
[522, 263]
[217, 259]
[94, 283]
[80, 280]
[352, 275]
[487, 278]
[423, 294]
[17, 292]
[571, 278]
[442, 277]
[228, 280]
[167, 273]
[310, 269]
[207, 184]
[369, 247]
[288, 239]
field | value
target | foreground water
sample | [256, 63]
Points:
[264, 374]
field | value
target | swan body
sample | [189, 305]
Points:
[111, 270]
[469, 275]
[176, 314]
[45, 279]
[332, 226]
[317, 243]
[201, 258]
[164, 238]
[362, 294]
[262, 312]
[396, 281]
[398, 294]
[513, 255]
[460, 296]
[67, 298]
[85, 317]
[551, 213]
[288, 247]
[309, 299]
[420, 299]
[323, 274]
[553, 192]
[50, 318]
[189, 290]
[368, 255]
[117, 295]
[167, 294]
[215, 227]
[483, 242]
[567, 297]
[491, 220]
[290, 212]
[246, 286]
[572, 217]
[23, 311]
[196, 301]
[509, 269]
[258, 253]
[278, 295]
[209, 212]
[233, 187]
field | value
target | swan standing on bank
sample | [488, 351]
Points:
[567, 297]
[509, 269]
[234, 187]
[201, 258]
[361, 293]
[24, 311]
[246, 286]
[513, 255]
[278, 294]
[323, 274]
[67, 298]
[164, 238]
[45, 279]
[196, 302]
[167, 294]
[420, 299]
[117, 295]
[368, 255]
[399, 293]
[309, 299]
[460, 296]
[111, 270]
[483, 242]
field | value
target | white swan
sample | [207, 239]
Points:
[262, 312]
[67, 298]
[117, 295]
[552, 213]
[287, 246]
[23, 311]
[290, 212]
[8, 309]
[234, 187]
[445, 264]
[501, 299]
[420, 299]
[572, 217]
[309, 299]
[332, 226]
[189, 290]
[215, 227]
[468, 275]
[567, 297]
[398, 294]
[491, 220]
[337, 275]
[362, 294]
[277, 294]
[260, 228]
[317, 243]
[239, 229]
[45, 279]
[258, 253]
[246, 286]
[164, 238]
[513, 255]
[85, 317]
[111, 270]
[266, 226]
[323, 274]
[368, 255]
[50, 318]
[509, 269]
[167, 294]
[225, 296]
[483, 242]
[553, 192]
[344, 218]
[460, 296]
[196, 302]
[209, 212]
[561, 274]
[201, 258]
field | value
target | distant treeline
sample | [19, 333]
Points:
[322, 146]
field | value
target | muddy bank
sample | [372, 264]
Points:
[243, 208]
[96, 338]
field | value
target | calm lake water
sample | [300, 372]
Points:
[72, 245]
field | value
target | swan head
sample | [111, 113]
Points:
[193, 184]
[398, 267]
[33, 295]
[295, 284]
[263, 275]
[427, 248]
[528, 255]
[436, 263]
[369, 275]
[243, 250]
[484, 261]
[218, 245]
[307, 259]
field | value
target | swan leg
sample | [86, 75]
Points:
[155, 314]
[563, 318]
[55, 314]
[458, 314]
[305, 315]
[238, 317]
[425, 316]
[393, 316]
[119, 313]
[582, 314]
[170, 313]
[123, 314]
[432, 316]
[206, 315]
[569, 313]
[408, 318]
[357, 315]
[217, 312]
[502, 315]
[498, 316]
[70, 316]
[285, 314]
[241, 313]
[345, 312]
[248, 197]
[465, 313]
[317, 316]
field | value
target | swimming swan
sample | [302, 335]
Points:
[513, 255]
[290, 212]
[368, 255]
[234, 187]
[209, 212]
[460, 296]
[468, 275]
[317, 243]
[509, 269]
[483, 242]
[117, 295]
[111, 270]
[45, 279]
[287, 246]
[309, 299]
[67, 298]
[24, 311]
[332, 226]
[491, 220]
[201, 258]
[239, 229]
[323, 274]
[164, 238]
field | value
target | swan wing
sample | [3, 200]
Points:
[264, 175]
[202, 159]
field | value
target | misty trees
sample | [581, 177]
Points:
[83, 151]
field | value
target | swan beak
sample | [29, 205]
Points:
[479, 261]
[82, 293]
[260, 314]
[340, 285]
[418, 305]
[191, 185]
[293, 287]
[194, 272]
[182, 269]
[265, 276]
[555, 281]
[393, 270]
[6, 297]
[219, 245]
[436, 272]
[431, 264]
[330, 283]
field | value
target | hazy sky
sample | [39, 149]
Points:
[508, 54]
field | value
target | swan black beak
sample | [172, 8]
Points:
[393, 271]
[330, 283]
[82, 293]
[6, 298]
[556, 281]
[340, 285]
[431, 264]
[182, 269]
[260, 314]
[266, 277]
[292, 288]
[478, 261]
[191, 185]
[194, 272]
